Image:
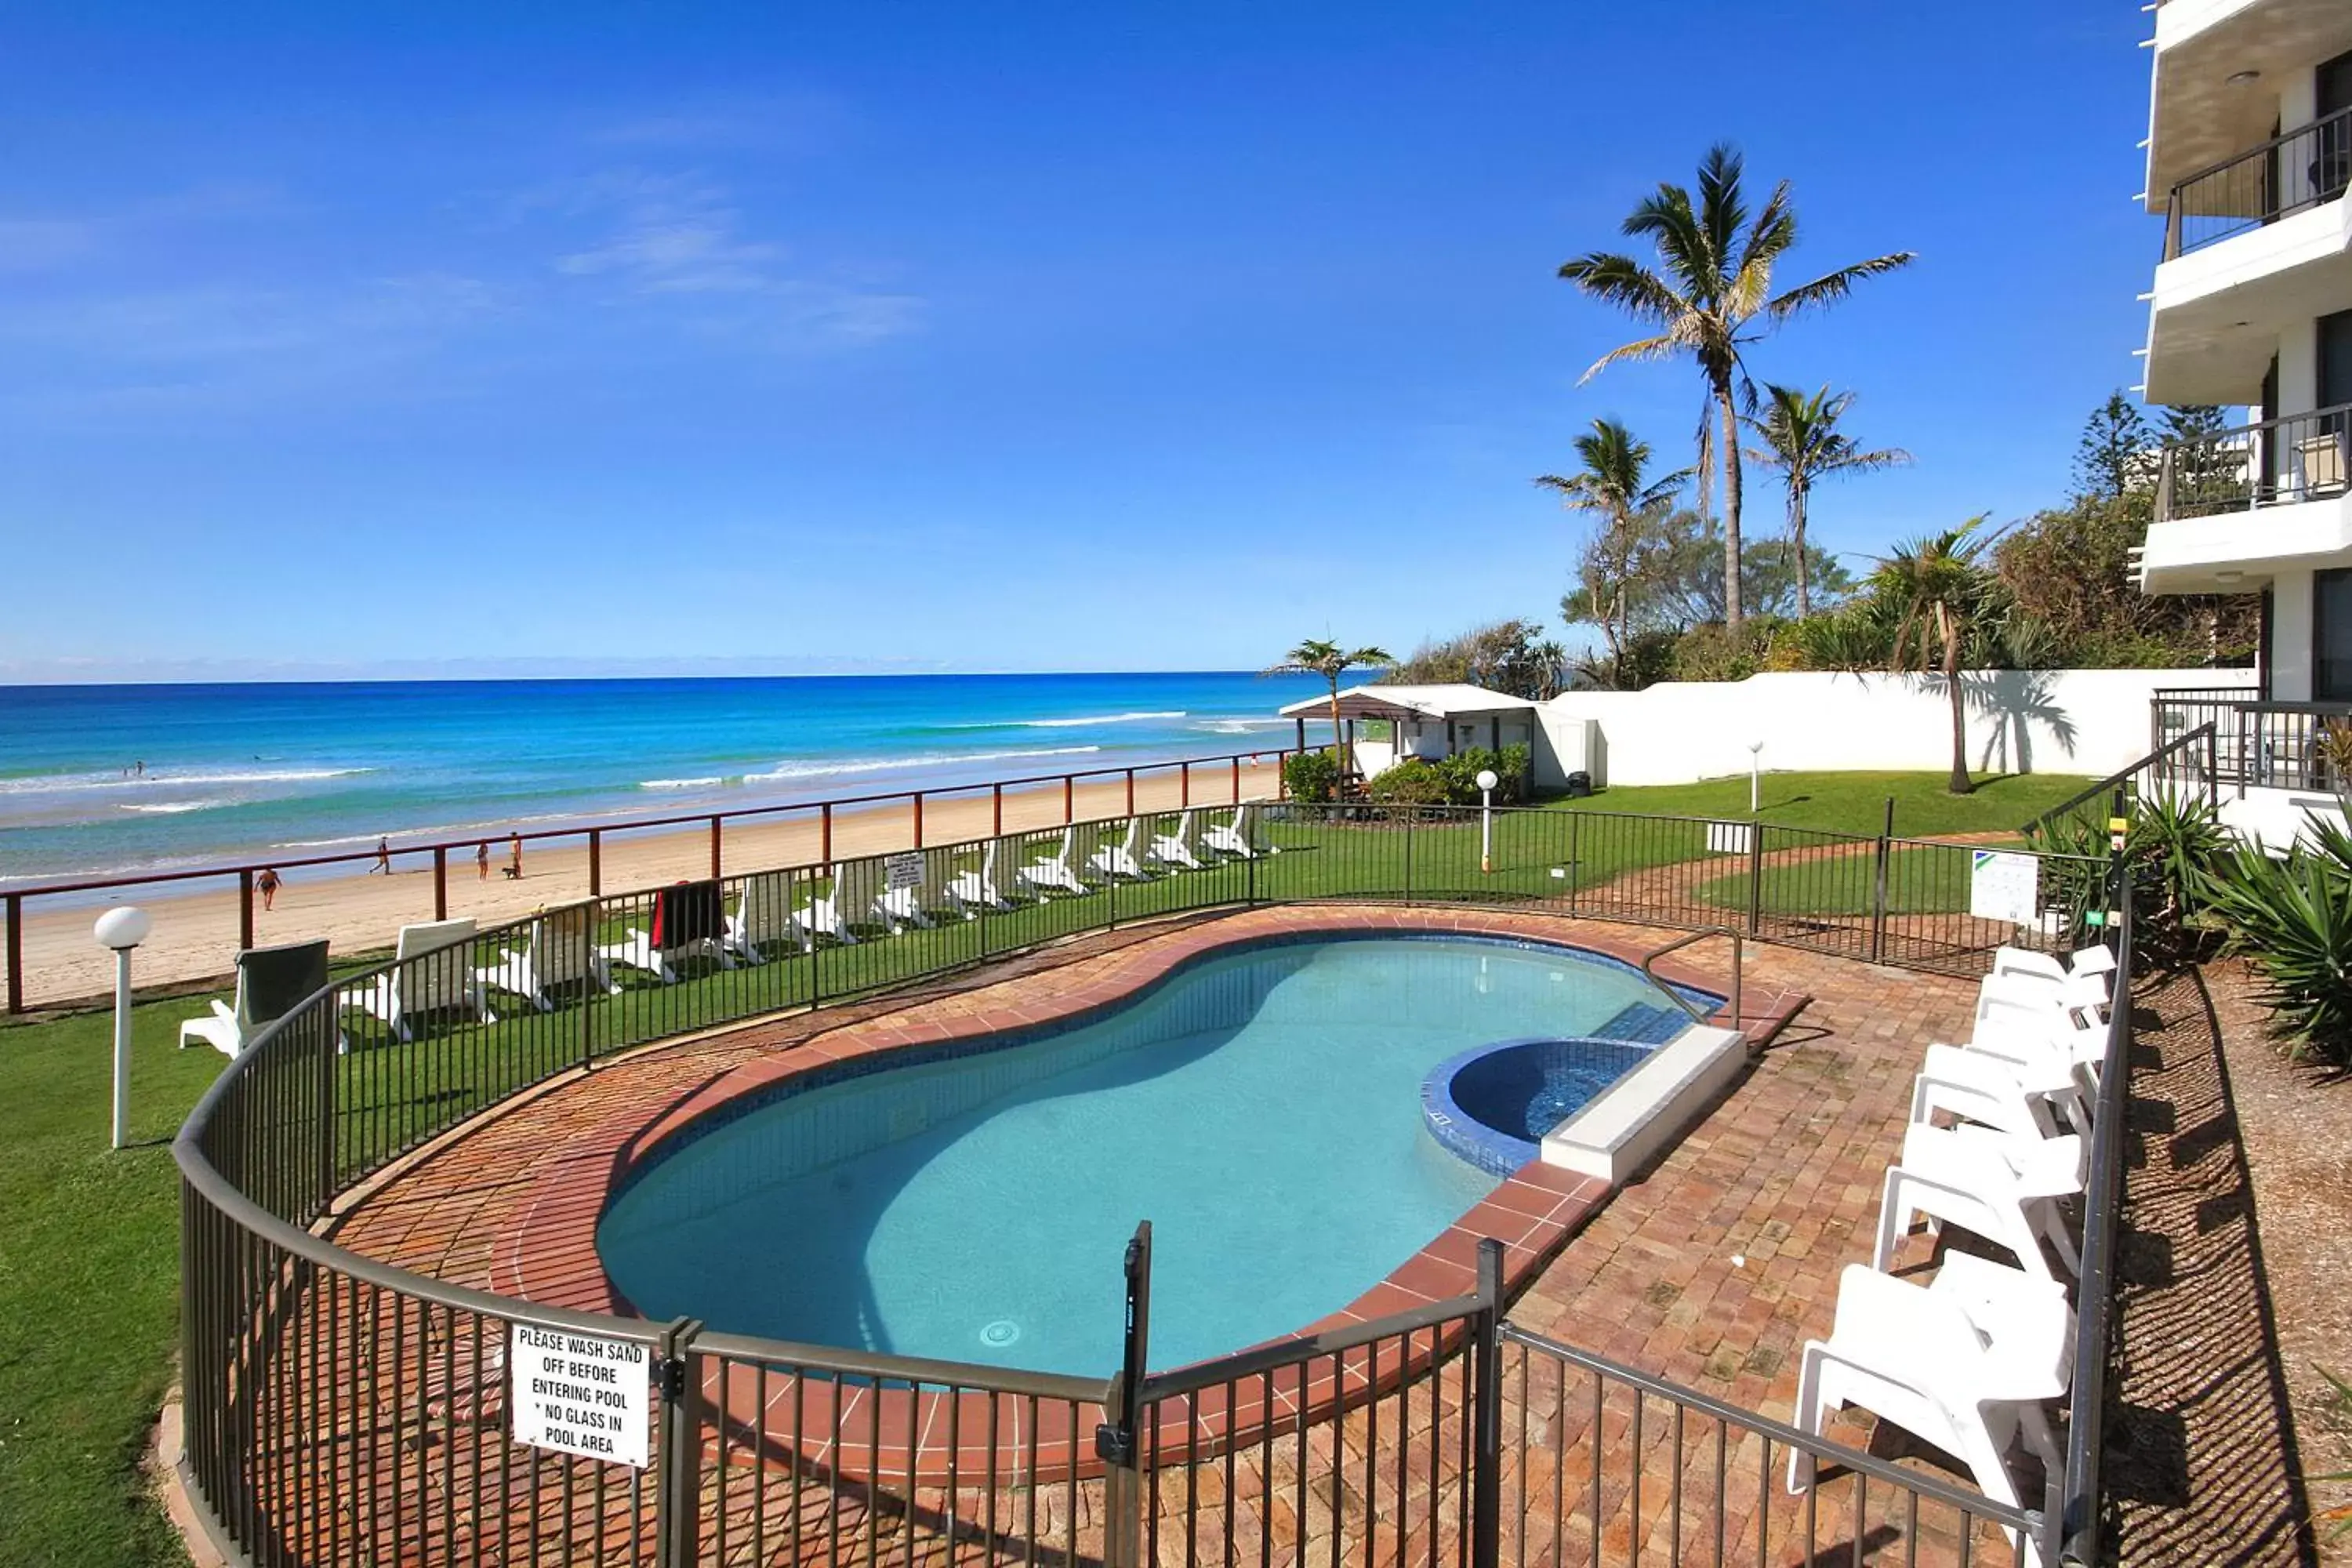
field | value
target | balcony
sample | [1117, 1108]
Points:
[2250, 502]
[2305, 168]
[2279, 462]
[2255, 247]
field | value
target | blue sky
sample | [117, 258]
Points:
[1037, 336]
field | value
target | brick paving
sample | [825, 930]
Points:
[1710, 1270]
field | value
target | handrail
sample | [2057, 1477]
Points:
[1926, 1484]
[1739, 948]
[2249, 466]
[2204, 732]
[2096, 1290]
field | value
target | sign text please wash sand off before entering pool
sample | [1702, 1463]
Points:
[577, 1394]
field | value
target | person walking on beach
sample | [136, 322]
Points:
[482, 860]
[383, 857]
[514, 856]
[267, 884]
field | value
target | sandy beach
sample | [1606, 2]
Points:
[195, 933]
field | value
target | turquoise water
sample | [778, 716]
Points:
[1261, 1109]
[260, 772]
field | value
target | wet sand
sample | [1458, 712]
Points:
[195, 934]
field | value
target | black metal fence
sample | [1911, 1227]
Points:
[341, 1410]
[2284, 461]
[2289, 174]
[2256, 744]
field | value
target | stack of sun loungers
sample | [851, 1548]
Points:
[1997, 1145]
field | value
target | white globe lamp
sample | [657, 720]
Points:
[1486, 782]
[122, 928]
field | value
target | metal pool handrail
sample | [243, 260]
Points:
[1738, 954]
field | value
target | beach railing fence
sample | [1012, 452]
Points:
[340, 1409]
[1034, 800]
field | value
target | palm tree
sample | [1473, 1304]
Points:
[1709, 298]
[1933, 587]
[1610, 486]
[1802, 440]
[1328, 659]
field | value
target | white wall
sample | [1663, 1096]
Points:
[2090, 722]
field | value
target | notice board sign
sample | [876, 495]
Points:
[580, 1394]
[1729, 837]
[904, 870]
[2005, 888]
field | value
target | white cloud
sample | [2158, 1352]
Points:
[679, 236]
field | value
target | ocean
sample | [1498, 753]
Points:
[242, 772]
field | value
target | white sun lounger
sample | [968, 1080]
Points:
[2003, 1188]
[1240, 835]
[971, 891]
[689, 921]
[826, 915]
[1057, 871]
[432, 973]
[763, 918]
[1124, 859]
[559, 950]
[1179, 847]
[899, 907]
[270, 983]
[1965, 1363]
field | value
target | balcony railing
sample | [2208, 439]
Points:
[2278, 462]
[2306, 167]
[2257, 744]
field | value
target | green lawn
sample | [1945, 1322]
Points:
[89, 1238]
[88, 1285]
[1856, 803]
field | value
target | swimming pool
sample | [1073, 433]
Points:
[971, 1202]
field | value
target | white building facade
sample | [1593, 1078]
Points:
[2249, 163]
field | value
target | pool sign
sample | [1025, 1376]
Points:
[904, 870]
[578, 1393]
[1729, 837]
[2005, 888]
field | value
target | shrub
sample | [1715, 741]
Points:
[1312, 776]
[2292, 919]
[1411, 782]
[1715, 652]
[2173, 849]
[1461, 773]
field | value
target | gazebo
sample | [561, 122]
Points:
[1429, 721]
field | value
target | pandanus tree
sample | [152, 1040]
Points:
[1709, 296]
[1801, 439]
[1329, 660]
[1935, 588]
[1614, 486]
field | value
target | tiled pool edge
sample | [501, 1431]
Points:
[548, 1255]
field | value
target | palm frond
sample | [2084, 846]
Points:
[1660, 347]
[1833, 286]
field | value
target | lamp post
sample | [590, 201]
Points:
[122, 928]
[1486, 782]
[1755, 776]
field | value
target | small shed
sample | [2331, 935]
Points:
[1429, 721]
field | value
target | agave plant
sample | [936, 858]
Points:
[2173, 849]
[2292, 919]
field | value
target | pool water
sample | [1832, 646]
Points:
[1262, 1109]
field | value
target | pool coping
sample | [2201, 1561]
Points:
[549, 1253]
